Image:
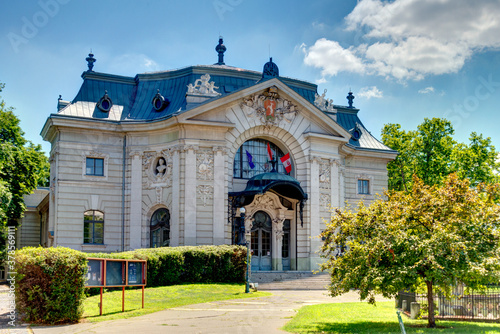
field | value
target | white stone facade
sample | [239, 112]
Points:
[184, 164]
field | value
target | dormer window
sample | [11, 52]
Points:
[105, 103]
[356, 132]
[159, 102]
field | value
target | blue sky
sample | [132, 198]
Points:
[404, 60]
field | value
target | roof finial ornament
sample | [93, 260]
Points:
[220, 48]
[350, 98]
[90, 61]
[270, 70]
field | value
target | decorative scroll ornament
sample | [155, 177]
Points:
[324, 104]
[269, 108]
[205, 193]
[203, 86]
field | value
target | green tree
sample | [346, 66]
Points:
[431, 153]
[434, 236]
[23, 167]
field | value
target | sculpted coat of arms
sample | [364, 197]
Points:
[269, 108]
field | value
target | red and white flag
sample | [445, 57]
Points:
[269, 152]
[287, 163]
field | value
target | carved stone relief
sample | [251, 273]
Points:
[325, 201]
[269, 108]
[203, 86]
[324, 174]
[205, 193]
[278, 228]
[205, 165]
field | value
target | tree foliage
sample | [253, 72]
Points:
[23, 167]
[431, 153]
[432, 235]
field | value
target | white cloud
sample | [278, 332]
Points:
[411, 39]
[369, 92]
[332, 58]
[426, 90]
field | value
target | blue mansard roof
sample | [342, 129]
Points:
[132, 96]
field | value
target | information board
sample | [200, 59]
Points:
[135, 273]
[115, 273]
[94, 273]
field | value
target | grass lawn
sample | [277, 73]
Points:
[365, 318]
[160, 298]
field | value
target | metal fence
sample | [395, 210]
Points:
[460, 304]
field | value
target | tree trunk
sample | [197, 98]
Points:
[430, 303]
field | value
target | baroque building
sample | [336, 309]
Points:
[169, 158]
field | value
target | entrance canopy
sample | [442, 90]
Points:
[282, 184]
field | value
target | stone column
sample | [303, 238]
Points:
[190, 197]
[342, 186]
[219, 195]
[135, 223]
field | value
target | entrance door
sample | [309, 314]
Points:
[261, 241]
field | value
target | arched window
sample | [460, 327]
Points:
[160, 228]
[256, 150]
[93, 227]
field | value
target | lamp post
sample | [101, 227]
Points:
[242, 229]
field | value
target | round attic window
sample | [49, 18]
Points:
[159, 102]
[105, 103]
[356, 134]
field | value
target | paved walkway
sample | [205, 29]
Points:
[242, 316]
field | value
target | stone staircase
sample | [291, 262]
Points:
[290, 280]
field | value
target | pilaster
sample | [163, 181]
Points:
[135, 227]
[190, 197]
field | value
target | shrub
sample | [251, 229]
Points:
[50, 284]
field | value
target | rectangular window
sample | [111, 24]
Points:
[364, 187]
[95, 166]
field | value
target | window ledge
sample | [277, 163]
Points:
[93, 246]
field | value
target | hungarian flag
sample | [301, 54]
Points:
[269, 152]
[250, 158]
[287, 163]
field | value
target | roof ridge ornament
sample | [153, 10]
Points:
[203, 86]
[90, 61]
[220, 48]
[323, 103]
[350, 98]
[270, 70]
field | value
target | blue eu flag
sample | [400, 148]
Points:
[249, 158]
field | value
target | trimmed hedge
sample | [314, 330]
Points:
[50, 284]
[189, 264]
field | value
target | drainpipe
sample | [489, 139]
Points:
[123, 190]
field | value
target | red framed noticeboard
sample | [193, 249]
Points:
[115, 273]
